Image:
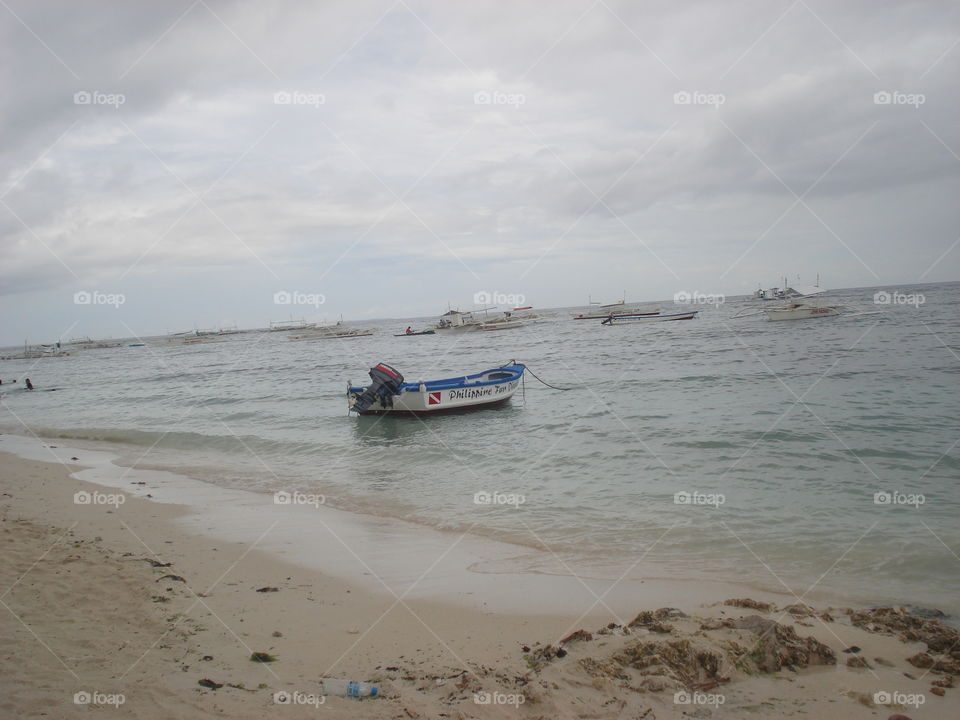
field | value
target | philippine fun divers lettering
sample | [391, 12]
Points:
[490, 391]
[469, 393]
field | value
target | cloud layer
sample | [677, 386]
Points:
[438, 149]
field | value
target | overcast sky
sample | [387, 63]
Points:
[196, 158]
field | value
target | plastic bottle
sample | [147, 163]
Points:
[345, 688]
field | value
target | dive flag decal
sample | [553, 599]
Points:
[433, 398]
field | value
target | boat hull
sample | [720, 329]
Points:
[482, 390]
[804, 313]
[631, 319]
[619, 313]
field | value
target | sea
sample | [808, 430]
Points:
[816, 458]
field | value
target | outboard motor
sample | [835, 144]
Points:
[385, 383]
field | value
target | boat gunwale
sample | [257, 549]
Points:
[516, 372]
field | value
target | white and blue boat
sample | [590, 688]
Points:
[626, 319]
[388, 393]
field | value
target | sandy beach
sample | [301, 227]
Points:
[112, 608]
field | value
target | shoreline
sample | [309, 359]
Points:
[95, 616]
[381, 553]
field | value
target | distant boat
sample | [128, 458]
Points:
[389, 394]
[462, 320]
[628, 319]
[420, 332]
[620, 307]
[330, 331]
[283, 325]
[802, 311]
[788, 292]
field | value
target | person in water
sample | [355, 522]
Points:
[409, 330]
[29, 384]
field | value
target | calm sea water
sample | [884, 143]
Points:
[786, 431]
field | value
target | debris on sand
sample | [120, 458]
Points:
[156, 563]
[779, 646]
[577, 636]
[939, 638]
[267, 589]
[262, 657]
[675, 663]
[749, 604]
[210, 684]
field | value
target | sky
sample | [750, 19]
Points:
[180, 164]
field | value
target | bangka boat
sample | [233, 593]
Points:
[801, 311]
[330, 331]
[620, 307]
[419, 332]
[462, 320]
[627, 319]
[389, 394]
[284, 325]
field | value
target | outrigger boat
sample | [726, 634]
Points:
[626, 319]
[389, 394]
[330, 332]
[420, 332]
[801, 311]
[615, 309]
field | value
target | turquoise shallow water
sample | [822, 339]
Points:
[788, 431]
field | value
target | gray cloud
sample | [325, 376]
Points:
[386, 160]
